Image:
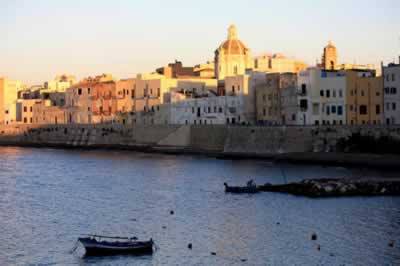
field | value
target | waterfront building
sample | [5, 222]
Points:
[93, 100]
[391, 79]
[278, 63]
[24, 110]
[321, 97]
[125, 95]
[45, 112]
[8, 97]
[232, 57]
[276, 100]
[364, 97]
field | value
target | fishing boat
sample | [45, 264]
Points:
[249, 189]
[96, 245]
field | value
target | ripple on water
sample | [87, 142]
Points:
[48, 197]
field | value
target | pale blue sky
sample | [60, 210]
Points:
[43, 38]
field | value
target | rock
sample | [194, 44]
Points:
[328, 189]
[171, 212]
[214, 253]
[314, 236]
[190, 246]
[243, 260]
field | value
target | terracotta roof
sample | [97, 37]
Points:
[234, 47]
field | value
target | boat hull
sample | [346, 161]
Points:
[105, 248]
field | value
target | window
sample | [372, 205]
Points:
[333, 109]
[303, 89]
[158, 92]
[30, 109]
[303, 104]
[334, 93]
[209, 109]
[393, 90]
[328, 94]
[351, 108]
[215, 109]
[233, 88]
[340, 110]
[88, 90]
[394, 106]
[192, 110]
[362, 93]
[321, 93]
[387, 106]
[31, 120]
[25, 120]
[235, 70]
[363, 109]
[220, 109]
[238, 87]
[393, 77]
[341, 93]
[293, 117]
[328, 110]
[25, 109]
[378, 109]
[79, 91]
[351, 93]
[133, 94]
[387, 90]
[264, 112]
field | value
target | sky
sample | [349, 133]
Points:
[44, 38]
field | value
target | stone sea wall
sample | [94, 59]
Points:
[240, 141]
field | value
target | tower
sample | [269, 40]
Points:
[329, 57]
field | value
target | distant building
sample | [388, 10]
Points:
[59, 84]
[364, 97]
[232, 57]
[391, 79]
[8, 98]
[276, 102]
[278, 63]
[321, 97]
[93, 100]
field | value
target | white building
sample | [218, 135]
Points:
[391, 99]
[322, 97]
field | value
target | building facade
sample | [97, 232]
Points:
[276, 100]
[364, 98]
[391, 79]
[8, 98]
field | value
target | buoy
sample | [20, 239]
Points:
[314, 236]
[171, 212]
[190, 246]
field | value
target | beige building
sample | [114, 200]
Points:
[8, 98]
[24, 110]
[59, 84]
[126, 89]
[93, 100]
[232, 57]
[45, 112]
[364, 98]
[276, 100]
[278, 63]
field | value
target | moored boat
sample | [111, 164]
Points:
[249, 189]
[96, 245]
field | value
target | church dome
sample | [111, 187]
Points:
[233, 46]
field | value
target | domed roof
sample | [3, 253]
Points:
[233, 46]
[330, 45]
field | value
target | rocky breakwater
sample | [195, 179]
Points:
[338, 187]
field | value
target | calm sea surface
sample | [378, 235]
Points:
[49, 197]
